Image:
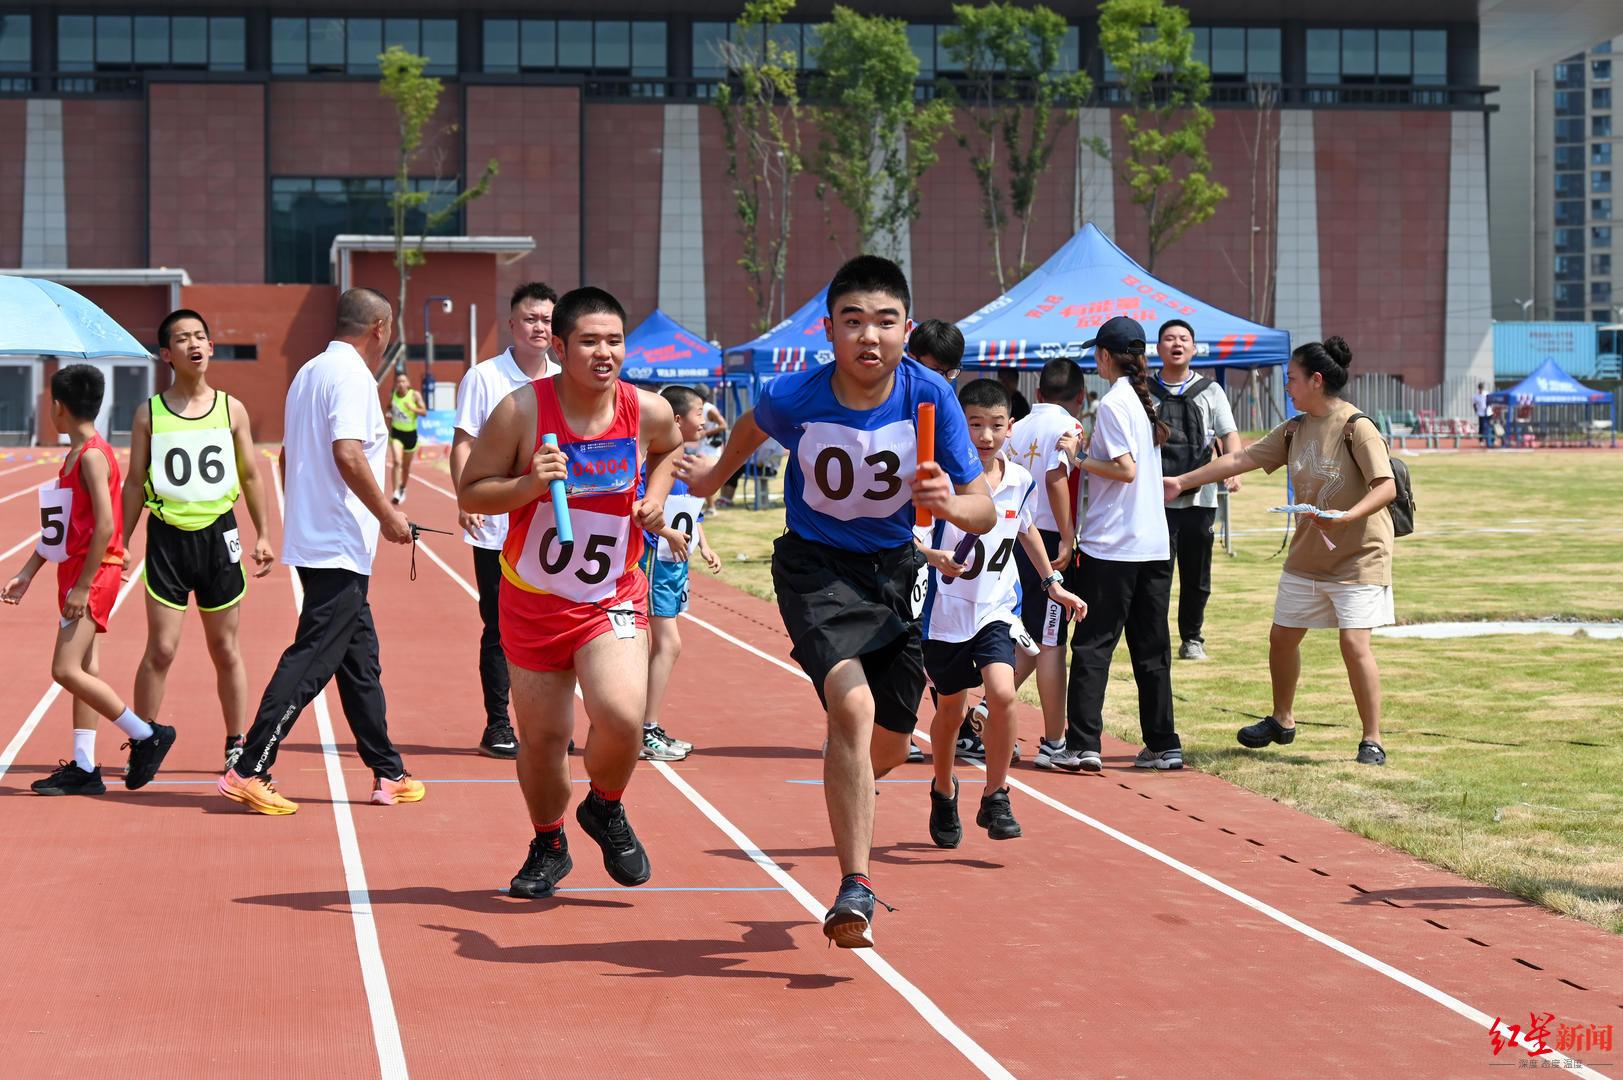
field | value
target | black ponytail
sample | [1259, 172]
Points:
[1331, 359]
[1130, 366]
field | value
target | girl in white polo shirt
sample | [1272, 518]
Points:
[1123, 563]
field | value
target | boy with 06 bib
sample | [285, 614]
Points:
[844, 570]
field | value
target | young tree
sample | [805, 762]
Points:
[1011, 87]
[877, 140]
[415, 98]
[760, 111]
[1166, 167]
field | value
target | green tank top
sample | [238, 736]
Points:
[192, 474]
[402, 412]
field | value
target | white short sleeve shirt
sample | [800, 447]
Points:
[483, 388]
[1034, 445]
[332, 398]
[1125, 522]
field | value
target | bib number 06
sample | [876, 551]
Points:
[596, 555]
[177, 465]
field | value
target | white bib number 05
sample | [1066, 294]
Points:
[196, 465]
[585, 571]
[55, 508]
[852, 474]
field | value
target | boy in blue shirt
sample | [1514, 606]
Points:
[844, 570]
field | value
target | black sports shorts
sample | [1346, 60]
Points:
[406, 439]
[207, 563]
[955, 666]
[844, 605]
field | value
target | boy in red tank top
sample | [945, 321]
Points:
[577, 611]
[81, 530]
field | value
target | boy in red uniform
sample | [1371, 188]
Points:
[577, 611]
[81, 531]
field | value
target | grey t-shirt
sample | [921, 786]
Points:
[1217, 420]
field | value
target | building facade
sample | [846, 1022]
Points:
[235, 144]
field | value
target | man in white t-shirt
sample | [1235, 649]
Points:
[529, 319]
[1196, 411]
[332, 467]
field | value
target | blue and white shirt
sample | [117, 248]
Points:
[955, 609]
[850, 470]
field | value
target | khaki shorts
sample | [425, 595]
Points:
[1305, 604]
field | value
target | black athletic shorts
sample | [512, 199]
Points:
[207, 562]
[1044, 620]
[406, 439]
[841, 605]
[955, 666]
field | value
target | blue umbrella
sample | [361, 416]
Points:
[42, 318]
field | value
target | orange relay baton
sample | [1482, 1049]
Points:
[926, 443]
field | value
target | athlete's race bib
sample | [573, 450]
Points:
[400, 415]
[852, 474]
[601, 467]
[981, 581]
[193, 465]
[682, 513]
[233, 544]
[55, 508]
[586, 570]
[921, 580]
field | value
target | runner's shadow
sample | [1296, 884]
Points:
[479, 901]
[706, 958]
[890, 854]
[1450, 898]
[757, 752]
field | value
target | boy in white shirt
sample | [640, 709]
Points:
[970, 617]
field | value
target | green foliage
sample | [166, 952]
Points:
[1166, 167]
[877, 140]
[1012, 88]
[415, 97]
[760, 110]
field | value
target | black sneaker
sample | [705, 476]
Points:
[233, 751]
[996, 817]
[499, 742]
[623, 854]
[1370, 753]
[945, 828]
[69, 779]
[1265, 731]
[849, 923]
[547, 864]
[146, 755]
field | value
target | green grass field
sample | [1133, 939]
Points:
[1505, 752]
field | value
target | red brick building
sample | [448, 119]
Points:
[235, 147]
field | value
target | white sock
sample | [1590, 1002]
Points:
[84, 748]
[133, 726]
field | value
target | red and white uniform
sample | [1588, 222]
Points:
[555, 599]
[67, 546]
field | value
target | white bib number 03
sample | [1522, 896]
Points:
[55, 508]
[852, 474]
[585, 571]
[682, 513]
[193, 465]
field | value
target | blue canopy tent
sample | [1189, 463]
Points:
[1549, 386]
[662, 350]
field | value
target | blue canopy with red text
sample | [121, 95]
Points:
[662, 350]
[1059, 305]
[797, 343]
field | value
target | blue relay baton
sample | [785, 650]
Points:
[560, 504]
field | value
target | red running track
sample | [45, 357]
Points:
[1145, 926]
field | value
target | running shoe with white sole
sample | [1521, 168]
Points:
[971, 748]
[656, 749]
[849, 923]
[1191, 650]
[1158, 759]
[257, 793]
[681, 744]
[915, 756]
[1077, 760]
[1046, 751]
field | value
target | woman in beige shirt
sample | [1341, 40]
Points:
[1338, 573]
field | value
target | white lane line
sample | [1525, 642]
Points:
[9, 755]
[443, 565]
[374, 976]
[29, 490]
[26, 542]
[24, 468]
[447, 492]
[926, 1008]
[1399, 976]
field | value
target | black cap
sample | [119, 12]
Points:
[1119, 334]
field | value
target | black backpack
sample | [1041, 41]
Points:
[1402, 507]
[1186, 447]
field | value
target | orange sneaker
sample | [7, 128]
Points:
[256, 793]
[389, 792]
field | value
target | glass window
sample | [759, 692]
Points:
[1601, 235]
[574, 44]
[306, 213]
[1569, 103]
[1570, 73]
[1569, 294]
[113, 39]
[1262, 54]
[1569, 268]
[1600, 181]
[1600, 98]
[1600, 209]
[1600, 265]
[1569, 130]
[290, 46]
[538, 45]
[406, 33]
[1070, 50]
[16, 43]
[1569, 240]
[648, 52]
[151, 39]
[1395, 58]
[228, 47]
[709, 38]
[613, 47]
[326, 46]
[363, 41]
[1357, 54]
[1569, 212]
[1603, 47]
[1228, 51]
[439, 46]
[1600, 70]
[501, 45]
[921, 38]
[1600, 292]
[1600, 126]
[1569, 158]
[1323, 56]
[1599, 153]
[1431, 57]
[130, 43]
[1569, 185]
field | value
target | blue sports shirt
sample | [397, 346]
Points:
[850, 470]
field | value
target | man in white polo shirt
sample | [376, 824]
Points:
[484, 387]
[332, 467]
